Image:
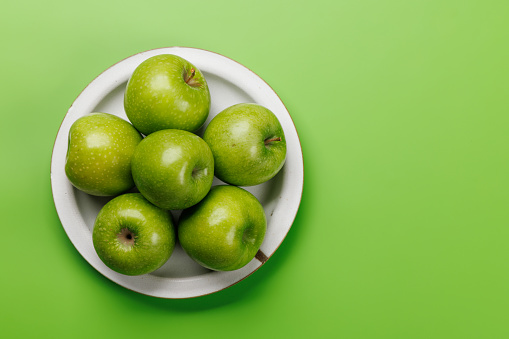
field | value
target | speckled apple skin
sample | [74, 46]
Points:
[225, 230]
[152, 227]
[157, 96]
[237, 137]
[173, 169]
[99, 153]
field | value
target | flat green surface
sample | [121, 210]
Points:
[402, 111]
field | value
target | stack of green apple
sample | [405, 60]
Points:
[155, 163]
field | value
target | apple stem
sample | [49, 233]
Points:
[267, 141]
[188, 78]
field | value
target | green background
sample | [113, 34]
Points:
[402, 112]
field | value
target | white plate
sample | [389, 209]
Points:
[229, 83]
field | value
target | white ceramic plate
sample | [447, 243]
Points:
[229, 83]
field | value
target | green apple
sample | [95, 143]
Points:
[99, 154]
[225, 230]
[167, 92]
[132, 236]
[173, 168]
[248, 144]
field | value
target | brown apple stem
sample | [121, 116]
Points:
[188, 78]
[267, 141]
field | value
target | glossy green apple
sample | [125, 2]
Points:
[173, 168]
[167, 92]
[248, 144]
[224, 231]
[99, 154]
[132, 236]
